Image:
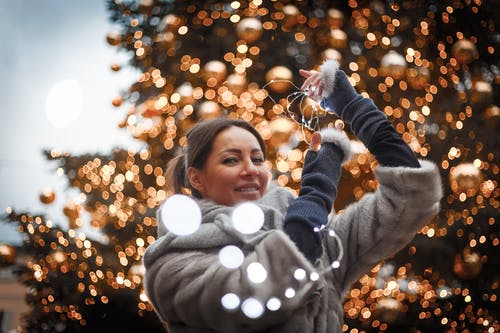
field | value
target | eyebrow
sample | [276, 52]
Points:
[238, 151]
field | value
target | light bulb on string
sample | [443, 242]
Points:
[308, 113]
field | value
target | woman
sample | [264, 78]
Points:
[302, 290]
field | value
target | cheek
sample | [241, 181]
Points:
[264, 175]
[227, 176]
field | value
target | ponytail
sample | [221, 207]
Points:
[176, 174]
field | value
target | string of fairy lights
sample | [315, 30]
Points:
[410, 84]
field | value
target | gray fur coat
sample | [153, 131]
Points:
[185, 280]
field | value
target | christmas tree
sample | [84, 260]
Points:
[431, 66]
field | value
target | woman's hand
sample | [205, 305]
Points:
[312, 85]
[315, 144]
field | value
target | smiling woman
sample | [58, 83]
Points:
[64, 103]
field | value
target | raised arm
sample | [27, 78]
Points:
[409, 190]
[332, 89]
[308, 213]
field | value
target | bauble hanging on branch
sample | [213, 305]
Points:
[491, 116]
[281, 131]
[481, 93]
[331, 53]
[464, 51]
[465, 177]
[291, 13]
[7, 255]
[337, 38]
[115, 67]
[335, 18]
[279, 79]
[47, 196]
[388, 310]
[249, 29]
[209, 110]
[215, 70]
[170, 23]
[185, 94]
[393, 64]
[114, 38]
[236, 83]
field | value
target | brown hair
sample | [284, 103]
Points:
[200, 140]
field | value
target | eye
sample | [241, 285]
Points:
[230, 160]
[258, 160]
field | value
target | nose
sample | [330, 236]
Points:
[249, 169]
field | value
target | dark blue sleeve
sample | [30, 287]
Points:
[308, 213]
[369, 124]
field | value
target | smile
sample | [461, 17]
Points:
[247, 189]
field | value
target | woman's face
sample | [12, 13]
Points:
[235, 171]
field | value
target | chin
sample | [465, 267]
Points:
[248, 197]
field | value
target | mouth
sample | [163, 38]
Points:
[247, 188]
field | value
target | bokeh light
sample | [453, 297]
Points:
[181, 215]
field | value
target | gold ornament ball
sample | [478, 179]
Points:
[337, 38]
[465, 177]
[393, 64]
[388, 310]
[281, 131]
[335, 18]
[7, 255]
[331, 53]
[215, 69]
[114, 38]
[170, 23]
[291, 13]
[236, 83]
[468, 265]
[481, 92]
[491, 116]
[185, 92]
[209, 110]
[47, 196]
[418, 77]
[117, 101]
[281, 78]
[249, 29]
[464, 51]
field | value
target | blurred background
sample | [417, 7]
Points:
[98, 96]
[52, 50]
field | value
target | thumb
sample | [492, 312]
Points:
[315, 141]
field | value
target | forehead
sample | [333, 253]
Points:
[236, 137]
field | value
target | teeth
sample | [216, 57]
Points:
[247, 189]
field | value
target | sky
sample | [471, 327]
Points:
[50, 50]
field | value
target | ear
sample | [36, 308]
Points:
[195, 178]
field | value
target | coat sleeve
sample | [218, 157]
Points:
[186, 287]
[383, 222]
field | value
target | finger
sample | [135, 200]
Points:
[320, 90]
[307, 83]
[315, 144]
[311, 81]
[305, 73]
[339, 125]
